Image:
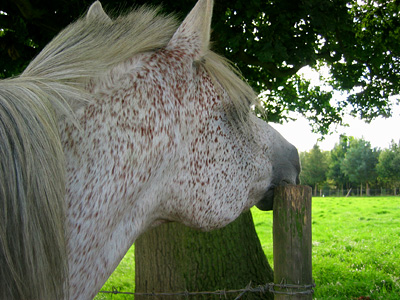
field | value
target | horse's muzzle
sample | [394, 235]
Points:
[286, 171]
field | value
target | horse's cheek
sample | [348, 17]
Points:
[210, 189]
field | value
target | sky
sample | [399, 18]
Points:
[380, 132]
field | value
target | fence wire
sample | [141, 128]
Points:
[283, 288]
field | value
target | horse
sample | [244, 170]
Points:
[118, 125]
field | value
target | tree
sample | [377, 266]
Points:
[360, 163]
[337, 155]
[172, 258]
[359, 41]
[388, 167]
[314, 167]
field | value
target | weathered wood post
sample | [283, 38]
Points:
[292, 243]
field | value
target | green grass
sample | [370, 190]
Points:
[123, 279]
[356, 249]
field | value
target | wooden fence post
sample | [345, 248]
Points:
[292, 242]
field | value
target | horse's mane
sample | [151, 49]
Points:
[33, 261]
[92, 45]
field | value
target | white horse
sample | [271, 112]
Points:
[117, 126]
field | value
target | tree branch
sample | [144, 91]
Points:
[27, 10]
[271, 67]
[36, 16]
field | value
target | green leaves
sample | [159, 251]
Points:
[314, 166]
[388, 167]
[270, 41]
[298, 95]
[360, 161]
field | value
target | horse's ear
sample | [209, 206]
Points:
[194, 33]
[96, 12]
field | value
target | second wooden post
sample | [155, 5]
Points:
[292, 243]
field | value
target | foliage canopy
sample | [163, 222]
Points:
[270, 41]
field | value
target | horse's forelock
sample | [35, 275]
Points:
[92, 45]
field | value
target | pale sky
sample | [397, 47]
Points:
[379, 132]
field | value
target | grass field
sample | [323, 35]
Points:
[356, 249]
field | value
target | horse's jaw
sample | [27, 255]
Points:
[267, 202]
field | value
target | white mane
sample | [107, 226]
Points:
[95, 43]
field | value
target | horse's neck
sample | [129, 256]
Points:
[109, 202]
[102, 226]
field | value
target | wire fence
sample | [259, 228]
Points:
[282, 288]
[327, 192]
[298, 199]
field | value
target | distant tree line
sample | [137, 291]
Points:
[351, 167]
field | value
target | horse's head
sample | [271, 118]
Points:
[186, 145]
[153, 127]
[225, 159]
